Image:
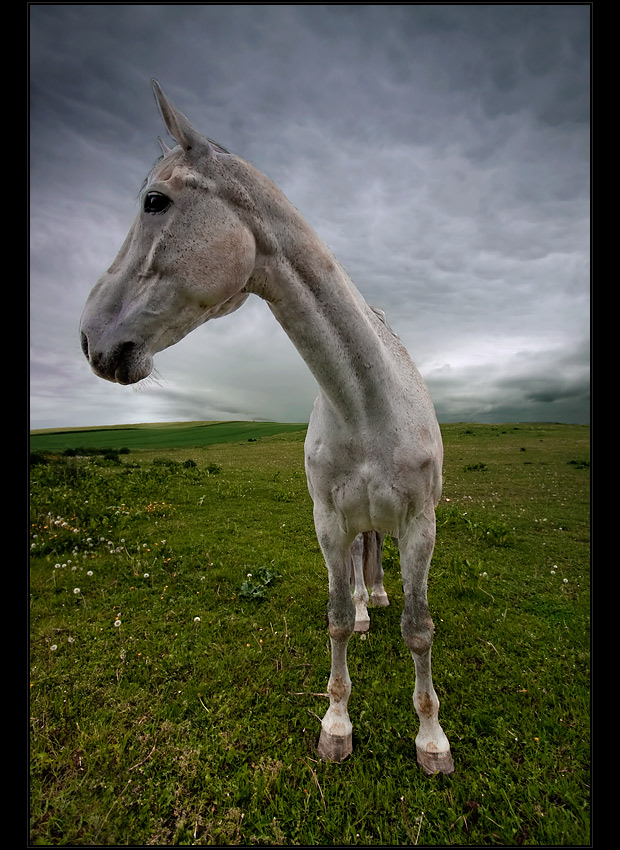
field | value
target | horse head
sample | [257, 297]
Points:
[186, 259]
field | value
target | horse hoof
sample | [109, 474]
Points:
[432, 763]
[379, 600]
[335, 747]
[361, 626]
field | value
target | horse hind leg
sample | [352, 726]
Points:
[367, 572]
[416, 549]
[373, 568]
[358, 582]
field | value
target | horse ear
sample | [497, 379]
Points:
[164, 147]
[176, 123]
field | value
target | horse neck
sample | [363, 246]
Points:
[337, 334]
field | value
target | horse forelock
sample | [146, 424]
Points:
[162, 168]
[165, 164]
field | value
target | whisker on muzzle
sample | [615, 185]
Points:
[154, 379]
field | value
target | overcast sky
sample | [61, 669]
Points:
[441, 152]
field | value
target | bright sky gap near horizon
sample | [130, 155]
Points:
[441, 151]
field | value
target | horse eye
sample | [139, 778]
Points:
[155, 202]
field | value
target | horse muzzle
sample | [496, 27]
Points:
[121, 363]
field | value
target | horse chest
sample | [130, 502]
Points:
[350, 477]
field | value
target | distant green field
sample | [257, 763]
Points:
[157, 436]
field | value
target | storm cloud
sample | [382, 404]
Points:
[441, 152]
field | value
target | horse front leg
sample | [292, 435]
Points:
[416, 549]
[336, 739]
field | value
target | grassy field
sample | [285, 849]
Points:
[163, 435]
[179, 650]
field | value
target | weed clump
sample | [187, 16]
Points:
[475, 467]
[256, 583]
[579, 464]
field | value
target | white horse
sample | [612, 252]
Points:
[211, 230]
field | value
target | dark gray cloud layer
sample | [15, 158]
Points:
[442, 152]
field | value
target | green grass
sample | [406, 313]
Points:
[149, 726]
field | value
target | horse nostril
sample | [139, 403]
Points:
[121, 362]
[123, 351]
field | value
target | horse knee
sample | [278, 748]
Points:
[417, 633]
[341, 618]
